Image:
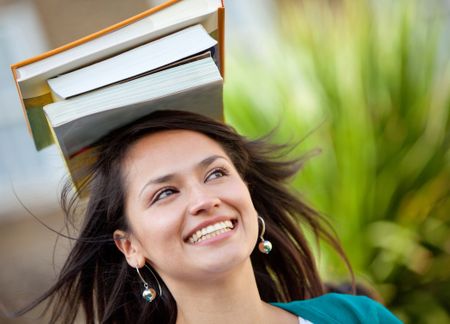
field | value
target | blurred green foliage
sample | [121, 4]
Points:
[367, 82]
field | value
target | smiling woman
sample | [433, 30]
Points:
[184, 198]
[177, 202]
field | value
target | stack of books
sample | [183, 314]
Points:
[169, 57]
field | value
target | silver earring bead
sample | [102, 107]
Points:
[264, 246]
[149, 294]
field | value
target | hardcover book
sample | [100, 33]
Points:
[168, 57]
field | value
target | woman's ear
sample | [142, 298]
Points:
[130, 247]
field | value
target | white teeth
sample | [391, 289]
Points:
[211, 231]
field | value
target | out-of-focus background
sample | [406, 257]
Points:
[367, 83]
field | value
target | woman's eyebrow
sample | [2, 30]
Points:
[166, 178]
[210, 159]
[162, 179]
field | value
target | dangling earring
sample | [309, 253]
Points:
[149, 294]
[264, 246]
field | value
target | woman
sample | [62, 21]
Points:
[177, 205]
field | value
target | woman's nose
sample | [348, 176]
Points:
[203, 202]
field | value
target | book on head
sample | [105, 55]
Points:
[168, 57]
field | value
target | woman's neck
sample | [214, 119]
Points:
[233, 298]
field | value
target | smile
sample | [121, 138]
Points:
[211, 231]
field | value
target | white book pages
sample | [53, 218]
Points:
[175, 17]
[161, 52]
[80, 121]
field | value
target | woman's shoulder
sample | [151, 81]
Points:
[340, 308]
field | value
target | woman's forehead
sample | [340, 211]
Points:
[170, 151]
[172, 142]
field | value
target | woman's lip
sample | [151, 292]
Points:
[218, 237]
[206, 223]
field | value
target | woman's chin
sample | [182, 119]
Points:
[223, 259]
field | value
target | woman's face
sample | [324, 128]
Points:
[190, 213]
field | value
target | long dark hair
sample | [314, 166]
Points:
[96, 276]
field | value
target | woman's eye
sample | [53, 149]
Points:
[216, 173]
[164, 194]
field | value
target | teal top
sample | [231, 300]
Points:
[340, 308]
